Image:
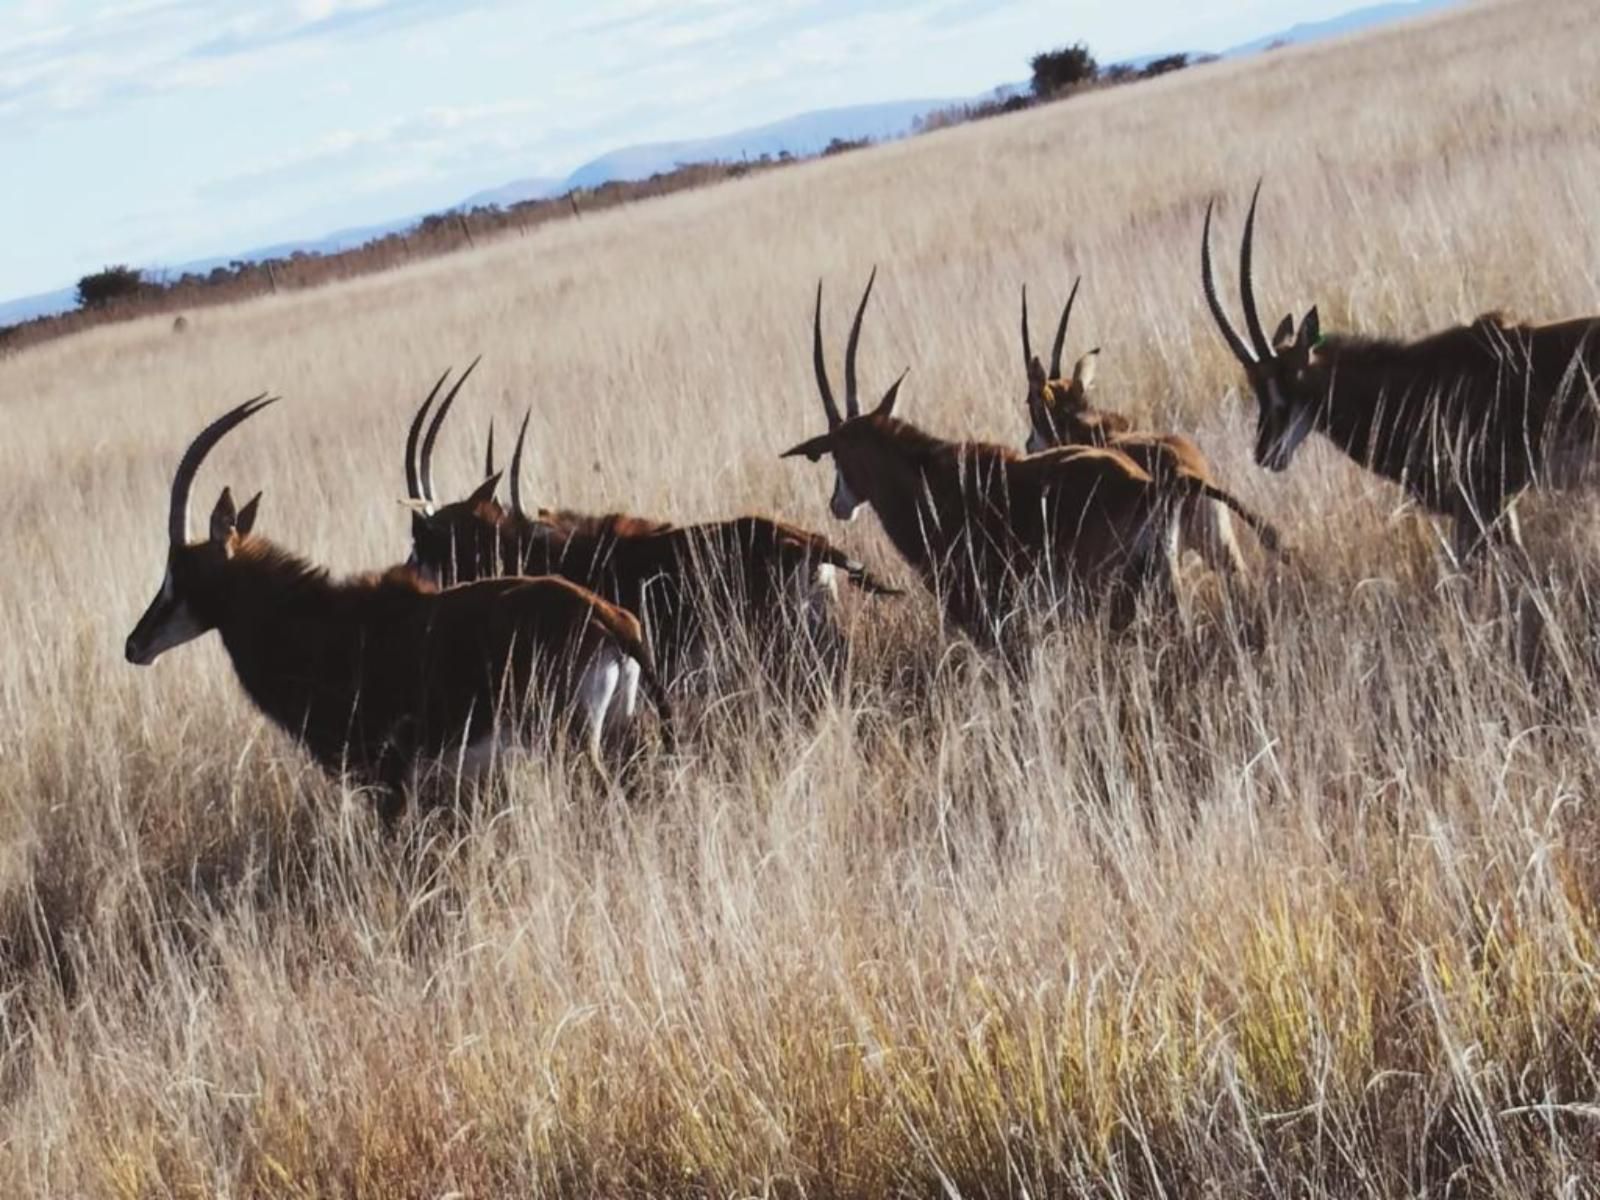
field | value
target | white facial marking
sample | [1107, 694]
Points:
[1295, 421]
[167, 623]
[844, 504]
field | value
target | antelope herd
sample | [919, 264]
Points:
[508, 625]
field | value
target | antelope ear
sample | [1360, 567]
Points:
[1310, 330]
[886, 405]
[1285, 332]
[812, 448]
[484, 492]
[224, 517]
[1036, 375]
[247, 515]
[1083, 371]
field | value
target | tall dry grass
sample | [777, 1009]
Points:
[1301, 902]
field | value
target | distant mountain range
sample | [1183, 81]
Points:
[1351, 22]
[803, 135]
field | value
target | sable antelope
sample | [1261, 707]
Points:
[1060, 414]
[1464, 420]
[376, 674]
[984, 525]
[683, 581]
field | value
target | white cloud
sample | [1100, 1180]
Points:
[226, 127]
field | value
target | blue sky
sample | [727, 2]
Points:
[156, 131]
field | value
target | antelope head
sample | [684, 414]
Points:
[1054, 402]
[447, 539]
[844, 439]
[187, 605]
[1281, 371]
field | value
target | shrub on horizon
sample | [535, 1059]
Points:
[109, 285]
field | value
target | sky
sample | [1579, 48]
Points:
[159, 131]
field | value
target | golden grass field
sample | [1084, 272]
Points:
[1301, 902]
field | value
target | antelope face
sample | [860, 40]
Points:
[1056, 406]
[169, 621]
[849, 445]
[844, 504]
[1280, 370]
[1286, 400]
[849, 480]
[459, 542]
[181, 610]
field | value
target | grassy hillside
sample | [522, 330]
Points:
[1301, 902]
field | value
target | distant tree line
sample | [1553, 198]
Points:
[117, 292]
[121, 292]
[1056, 75]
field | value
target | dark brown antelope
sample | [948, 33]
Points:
[983, 525]
[1464, 420]
[771, 582]
[1060, 414]
[378, 674]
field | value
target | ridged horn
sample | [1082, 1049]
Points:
[852, 406]
[1061, 330]
[820, 365]
[516, 465]
[1247, 283]
[1027, 345]
[426, 463]
[189, 464]
[1218, 313]
[413, 483]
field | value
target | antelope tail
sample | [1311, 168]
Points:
[635, 647]
[800, 547]
[856, 572]
[869, 583]
[1265, 531]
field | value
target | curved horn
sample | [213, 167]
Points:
[851, 406]
[189, 464]
[516, 465]
[413, 486]
[1247, 286]
[1061, 330]
[1027, 348]
[1218, 313]
[426, 464]
[819, 364]
[488, 455]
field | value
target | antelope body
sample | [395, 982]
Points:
[1060, 414]
[377, 674]
[985, 526]
[775, 582]
[1464, 420]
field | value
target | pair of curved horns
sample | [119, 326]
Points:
[1061, 330]
[419, 468]
[852, 404]
[1247, 291]
[189, 464]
